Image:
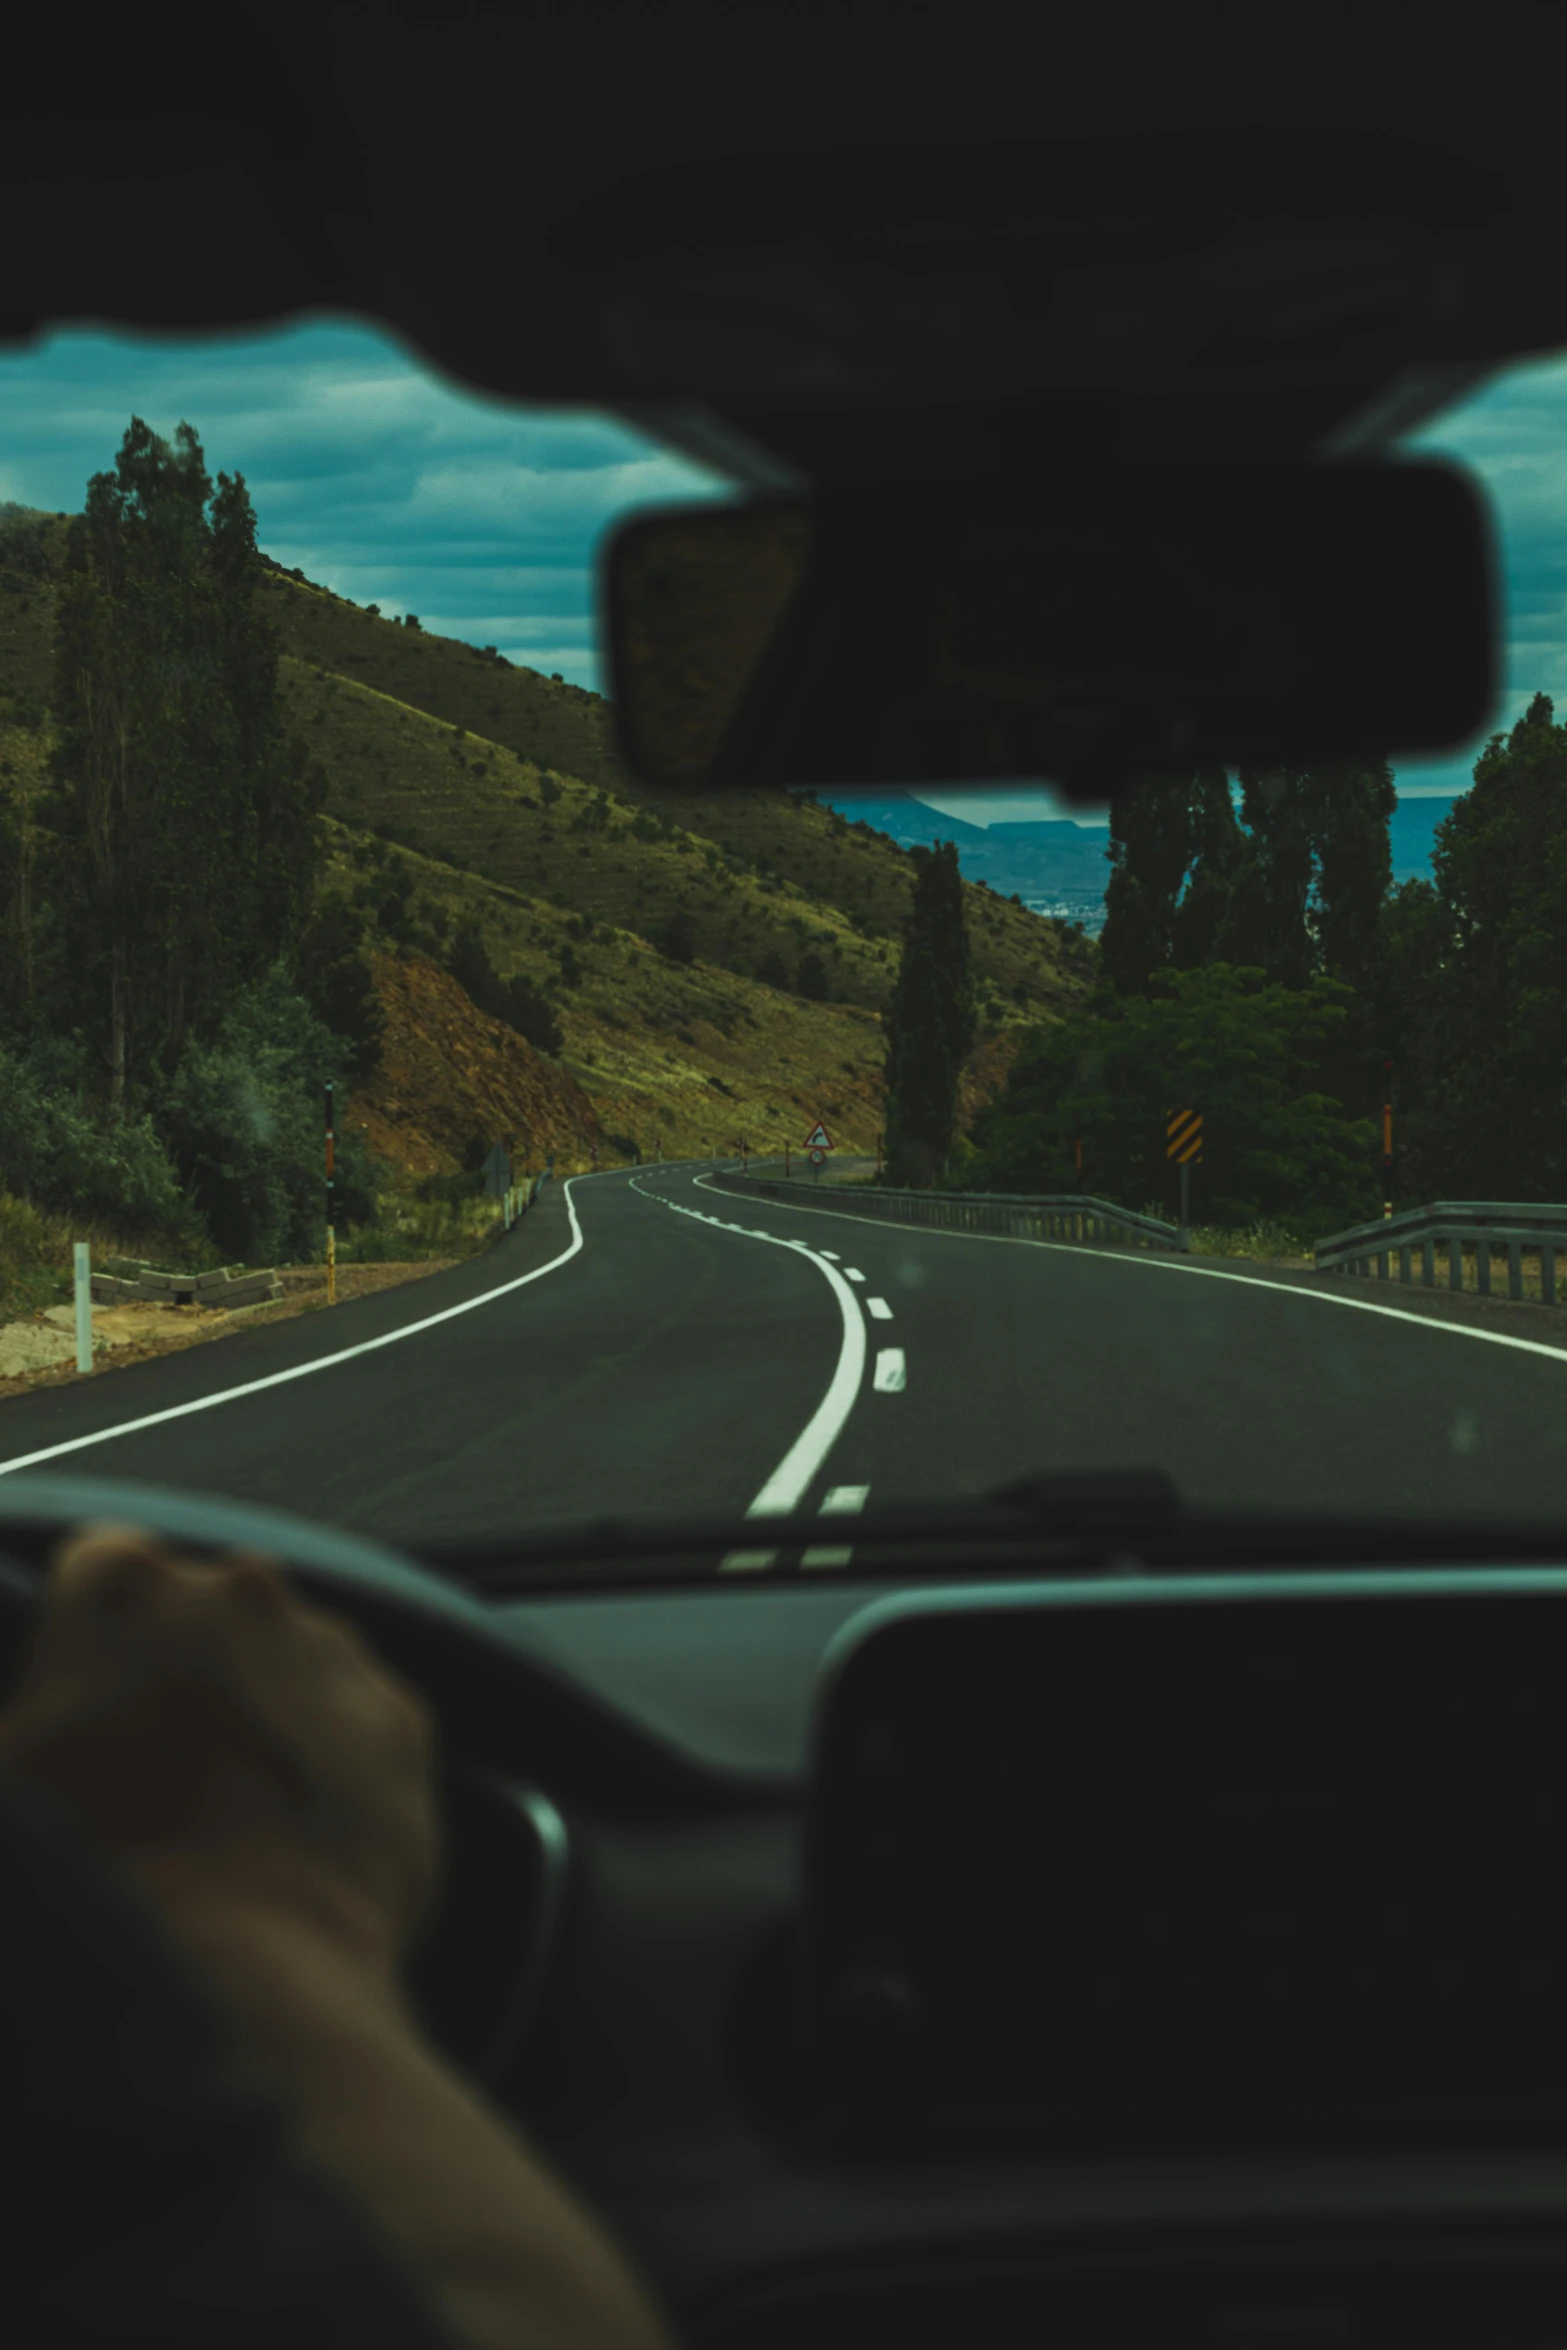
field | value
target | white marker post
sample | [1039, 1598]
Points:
[83, 1306]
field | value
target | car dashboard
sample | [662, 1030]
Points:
[1031, 1959]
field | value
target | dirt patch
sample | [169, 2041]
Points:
[133, 1334]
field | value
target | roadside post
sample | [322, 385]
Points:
[331, 1216]
[788, 1170]
[497, 1175]
[82, 1253]
[878, 1157]
[1387, 1138]
[1183, 1143]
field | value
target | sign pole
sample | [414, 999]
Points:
[331, 1230]
[1186, 1221]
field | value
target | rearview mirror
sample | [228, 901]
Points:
[1083, 636]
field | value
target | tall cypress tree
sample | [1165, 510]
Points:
[186, 833]
[930, 1022]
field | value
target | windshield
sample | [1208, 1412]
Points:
[410, 1120]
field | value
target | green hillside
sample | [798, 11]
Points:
[498, 791]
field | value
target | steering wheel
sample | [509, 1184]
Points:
[478, 1971]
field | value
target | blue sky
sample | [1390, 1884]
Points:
[379, 477]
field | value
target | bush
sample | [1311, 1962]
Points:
[811, 980]
[245, 1121]
[516, 1001]
[62, 1151]
[676, 942]
[772, 971]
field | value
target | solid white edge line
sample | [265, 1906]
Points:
[817, 1438]
[1321, 1297]
[206, 1403]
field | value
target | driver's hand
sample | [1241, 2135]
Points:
[227, 1745]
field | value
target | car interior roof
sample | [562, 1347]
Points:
[453, 174]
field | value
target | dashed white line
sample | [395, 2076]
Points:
[891, 1373]
[792, 1477]
[852, 1273]
[825, 1558]
[878, 1309]
[746, 1562]
[843, 1501]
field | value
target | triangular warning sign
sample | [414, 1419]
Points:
[818, 1139]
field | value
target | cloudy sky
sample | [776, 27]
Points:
[376, 476]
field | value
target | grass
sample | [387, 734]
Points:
[1264, 1240]
[37, 1254]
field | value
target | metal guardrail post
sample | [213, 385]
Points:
[1547, 1276]
[1515, 1268]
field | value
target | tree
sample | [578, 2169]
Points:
[1292, 885]
[930, 1022]
[514, 1000]
[185, 844]
[334, 977]
[1151, 851]
[1226, 1040]
[1478, 977]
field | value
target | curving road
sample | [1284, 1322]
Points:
[648, 1345]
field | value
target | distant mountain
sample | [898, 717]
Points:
[1059, 867]
[1054, 866]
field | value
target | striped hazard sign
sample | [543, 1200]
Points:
[1183, 1132]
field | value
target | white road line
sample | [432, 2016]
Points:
[825, 1252]
[346, 1354]
[852, 1273]
[878, 1309]
[746, 1562]
[788, 1482]
[1159, 1264]
[844, 1500]
[825, 1558]
[891, 1377]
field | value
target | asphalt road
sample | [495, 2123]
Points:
[650, 1345]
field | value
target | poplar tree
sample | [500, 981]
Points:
[185, 825]
[930, 1023]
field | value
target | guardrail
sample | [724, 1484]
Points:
[1458, 1228]
[1014, 1215]
[518, 1198]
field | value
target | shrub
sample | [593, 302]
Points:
[60, 1150]
[677, 939]
[772, 971]
[811, 979]
[514, 1000]
[245, 1121]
